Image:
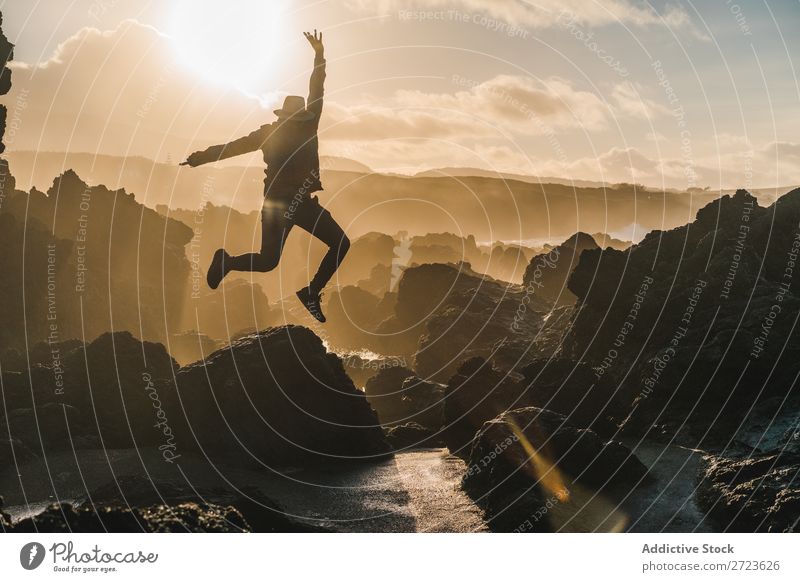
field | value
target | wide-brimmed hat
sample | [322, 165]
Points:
[294, 107]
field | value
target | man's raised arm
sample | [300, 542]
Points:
[237, 147]
[316, 87]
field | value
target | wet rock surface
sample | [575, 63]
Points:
[754, 494]
[183, 517]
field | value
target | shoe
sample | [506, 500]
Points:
[217, 270]
[311, 301]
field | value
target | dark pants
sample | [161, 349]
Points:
[277, 220]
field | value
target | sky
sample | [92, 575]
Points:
[670, 94]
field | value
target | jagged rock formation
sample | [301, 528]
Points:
[398, 396]
[446, 314]
[98, 395]
[528, 460]
[273, 397]
[477, 393]
[411, 435]
[753, 494]
[103, 262]
[694, 326]
[353, 313]
[184, 517]
[605, 241]
[547, 274]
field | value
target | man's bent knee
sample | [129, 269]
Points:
[265, 263]
[343, 246]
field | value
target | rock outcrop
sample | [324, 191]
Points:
[753, 494]
[446, 314]
[399, 396]
[694, 326]
[88, 266]
[547, 273]
[274, 397]
[527, 460]
[98, 395]
[477, 393]
[183, 517]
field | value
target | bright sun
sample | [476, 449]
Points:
[229, 42]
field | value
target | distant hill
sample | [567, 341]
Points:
[480, 173]
[39, 169]
[489, 208]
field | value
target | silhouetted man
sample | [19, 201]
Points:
[291, 152]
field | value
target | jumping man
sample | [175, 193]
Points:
[291, 152]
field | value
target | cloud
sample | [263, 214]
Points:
[774, 164]
[505, 103]
[544, 13]
[118, 92]
[629, 102]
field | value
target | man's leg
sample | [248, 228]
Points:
[321, 224]
[274, 230]
[316, 220]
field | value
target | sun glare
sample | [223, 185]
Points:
[228, 42]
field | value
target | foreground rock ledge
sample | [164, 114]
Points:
[277, 397]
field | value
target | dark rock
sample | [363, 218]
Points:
[547, 274]
[276, 397]
[399, 396]
[572, 389]
[99, 394]
[260, 513]
[676, 323]
[353, 313]
[527, 458]
[411, 435]
[446, 314]
[754, 494]
[477, 393]
[14, 453]
[88, 269]
[184, 517]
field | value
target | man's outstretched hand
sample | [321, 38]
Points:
[192, 161]
[315, 40]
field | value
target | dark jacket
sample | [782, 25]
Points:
[290, 148]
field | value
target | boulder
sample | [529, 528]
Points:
[530, 458]
[547, 273]
[274, 397]
[410, 435]
[477, 393]
[446, 314]
[399, 396]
